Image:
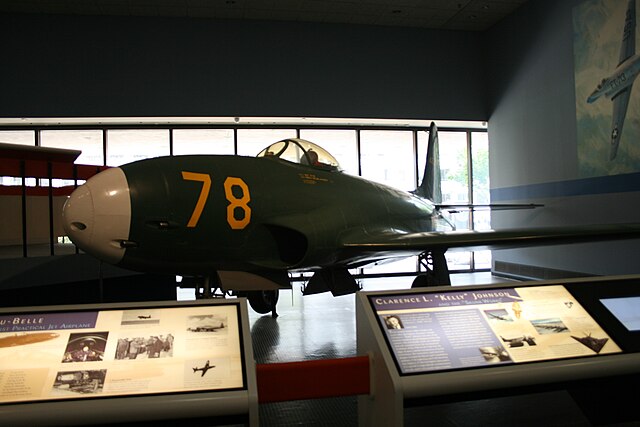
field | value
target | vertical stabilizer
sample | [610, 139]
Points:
[430, 186]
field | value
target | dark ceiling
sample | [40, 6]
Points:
[466, 15]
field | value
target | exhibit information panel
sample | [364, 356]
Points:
[438, 331]
[102, 353]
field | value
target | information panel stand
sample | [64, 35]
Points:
[129, 362]
[430, 343]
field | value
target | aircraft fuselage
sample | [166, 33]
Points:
[194, 214]
[623, 77]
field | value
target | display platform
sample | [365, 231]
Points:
[108, 363]
[438, 342]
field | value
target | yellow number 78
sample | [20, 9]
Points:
[234, 202]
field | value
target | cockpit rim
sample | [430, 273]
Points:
[312, 154]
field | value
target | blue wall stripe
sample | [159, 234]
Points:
[579, 187]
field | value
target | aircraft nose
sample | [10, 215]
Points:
[97, 215]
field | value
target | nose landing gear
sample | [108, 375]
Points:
[210, 287]
[437, 273]
[264, 301]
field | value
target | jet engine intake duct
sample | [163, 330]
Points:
[292, 244]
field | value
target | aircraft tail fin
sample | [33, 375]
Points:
[430, 187]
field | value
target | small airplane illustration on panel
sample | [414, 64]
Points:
[204, 369]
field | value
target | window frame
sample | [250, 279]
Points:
[272, 126]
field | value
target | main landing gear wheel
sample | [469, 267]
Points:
[264, 301]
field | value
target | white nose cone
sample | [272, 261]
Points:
[97, 215]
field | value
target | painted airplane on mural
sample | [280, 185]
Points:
[619, 84]
[245, 223]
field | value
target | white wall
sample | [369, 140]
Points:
[533, 151]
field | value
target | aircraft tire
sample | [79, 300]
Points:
[263, 301]
[422, 281]
[425, 280]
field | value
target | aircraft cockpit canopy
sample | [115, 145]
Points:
[301, 151]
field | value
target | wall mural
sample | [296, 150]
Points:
[607, 101]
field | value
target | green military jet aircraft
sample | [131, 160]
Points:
[243, 224]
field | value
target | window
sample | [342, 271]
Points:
[203, 141]
[252, 141]
[480, 167]
[454, 167]
[340, 143]
[130, 145]
[383, 154]
[22, 137]
[87, 141]
[454, 162]
[480, 157]
[387, 157]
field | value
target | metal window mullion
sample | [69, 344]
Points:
[37, 142]
[23, 173]
[472, 260]
[359, 152]
[50, 198]
[359, 158]
[75, 185]
[416, 167]
[171, 142]
[104, 146]
[416, 175]
[235, 141]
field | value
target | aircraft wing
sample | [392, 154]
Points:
[628, 46]
[620, 104]
[394, 241]
[492, 206]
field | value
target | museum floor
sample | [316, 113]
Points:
[324, 327]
